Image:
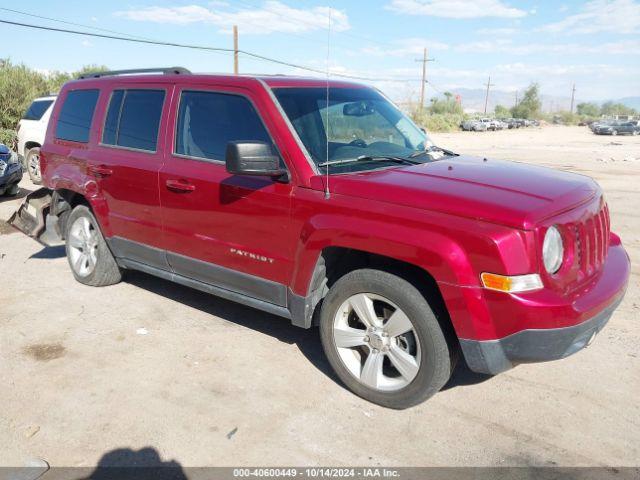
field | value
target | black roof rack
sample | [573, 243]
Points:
[163, 70]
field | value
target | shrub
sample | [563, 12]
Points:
[8, 137]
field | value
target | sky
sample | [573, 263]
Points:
[594, 44]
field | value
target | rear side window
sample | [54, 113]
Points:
[133, 119]
[37, 109]
[74, 122]
[207, 121]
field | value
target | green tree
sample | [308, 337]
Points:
[612, 108]
[19, 85]
[588, 109]
[501, 111]
[446, 105]
[530, 105]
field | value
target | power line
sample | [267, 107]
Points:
[320, 26]
[70, 23]
[204, 48]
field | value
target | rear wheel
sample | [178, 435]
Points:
[383, 340]
[33, 165]
[89, 256]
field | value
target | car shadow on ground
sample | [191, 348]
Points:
[48, 253]
[307, 340]
[23, 192]
[462, 376]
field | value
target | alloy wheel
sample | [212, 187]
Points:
[376, 342]
[34, 166]
[83, 246]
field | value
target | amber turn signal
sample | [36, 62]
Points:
[511, 284]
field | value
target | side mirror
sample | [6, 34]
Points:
[253, 158]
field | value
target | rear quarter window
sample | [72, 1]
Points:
[37, 109]
[76, 114]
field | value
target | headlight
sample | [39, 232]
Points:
[13, 159]
[552, 250]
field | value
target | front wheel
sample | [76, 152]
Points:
[89, 256]
[383, 340]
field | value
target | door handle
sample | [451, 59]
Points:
[180, 186]
[99, 170]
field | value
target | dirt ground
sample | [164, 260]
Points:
[203, 381]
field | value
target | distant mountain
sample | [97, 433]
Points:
[631, 102]
[473, 100]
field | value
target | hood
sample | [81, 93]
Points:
[507, 193]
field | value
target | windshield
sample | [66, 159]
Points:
[364, 129]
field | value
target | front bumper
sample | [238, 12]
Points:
[529, 346]
[11, 176]
[540, 326]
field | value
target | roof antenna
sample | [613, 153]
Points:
[327, 194]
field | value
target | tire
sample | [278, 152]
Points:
[13, 190]
[33, 165]
[614, 132]
[422, 351]
[89, 257]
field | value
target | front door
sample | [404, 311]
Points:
[226, 230]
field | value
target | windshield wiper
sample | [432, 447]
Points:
[433, 149]
[371, 158]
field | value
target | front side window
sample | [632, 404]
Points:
[133, 119]
[356, 124]
[76, 114]
[207, 121]
[37, 109]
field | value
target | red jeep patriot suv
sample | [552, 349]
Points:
[323, 203]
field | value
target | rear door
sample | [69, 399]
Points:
[126, 164]
[226, 230]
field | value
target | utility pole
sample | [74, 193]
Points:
[424, 61]
[235, 50]
[516, 98]
[573, 96]
[486, 97]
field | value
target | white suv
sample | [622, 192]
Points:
[31, 131]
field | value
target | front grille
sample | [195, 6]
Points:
[592, 241]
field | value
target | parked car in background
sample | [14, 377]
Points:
[473, 126]
[616, 128]
[402, 253]
[488, 123]
[10, 171]
[497, 124]
[31, 132]
[508, 122]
